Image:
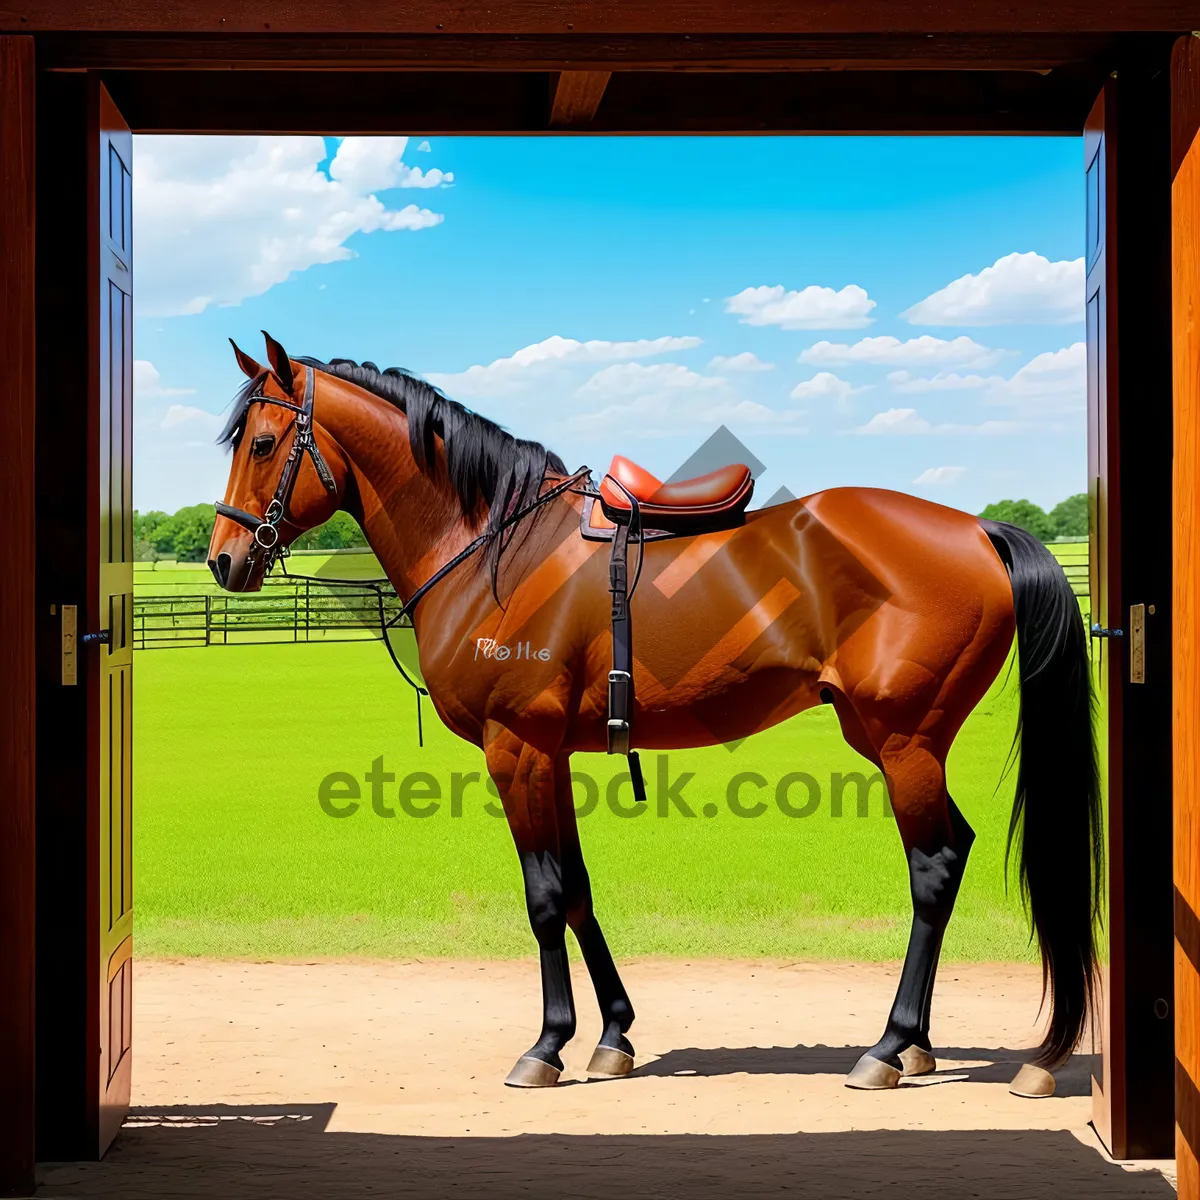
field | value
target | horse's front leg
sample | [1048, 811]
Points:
[526, 779]
[613, 1055]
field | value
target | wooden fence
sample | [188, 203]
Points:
[1073, 558]
[286, 610]
[305, 610]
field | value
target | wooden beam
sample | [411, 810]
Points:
[634, 102]
[577, 96]
[17, 797]
[1185, 98]
[565, 17]
[574, 52]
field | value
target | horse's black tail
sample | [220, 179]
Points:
[1056, 819]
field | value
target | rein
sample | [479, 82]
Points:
[407, 608]
[461, 557]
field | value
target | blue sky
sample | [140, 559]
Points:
[898, 312]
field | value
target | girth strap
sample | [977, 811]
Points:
[620, 678]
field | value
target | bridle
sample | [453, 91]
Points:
[266, 547]
[266, 528]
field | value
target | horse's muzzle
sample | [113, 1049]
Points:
[232, 559]
[219, 566]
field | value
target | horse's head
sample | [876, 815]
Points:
[287, 473]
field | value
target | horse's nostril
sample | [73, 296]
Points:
[220, 568]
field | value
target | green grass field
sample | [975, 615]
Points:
[235, 858]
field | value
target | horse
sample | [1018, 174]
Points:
[896, 611]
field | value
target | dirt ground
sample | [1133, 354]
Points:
[353, 1079]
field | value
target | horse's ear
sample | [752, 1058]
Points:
[280, 363]
[252, 369]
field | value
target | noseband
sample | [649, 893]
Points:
[266, 528]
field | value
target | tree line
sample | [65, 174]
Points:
[1067, 519]
[184, 535]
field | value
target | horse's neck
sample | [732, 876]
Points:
[411, 520]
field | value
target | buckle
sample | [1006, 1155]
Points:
[267, 536]
[618, 736]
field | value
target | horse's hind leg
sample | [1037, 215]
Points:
[613, 1055]
[937, 840]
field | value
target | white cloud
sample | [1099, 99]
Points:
[531, 364]
[425, 148]
[1018, 289]
[183, 414]
[664, 399]
[908, 422]
[824, 385]
[374, 164]
[896, 420]
[943, 381]
[1055, 377]
[923, 351]
[224, 218]
[746, 361]
[667, 412]
[939, 476]
[625, 379]
[147, 383]
[1050, 386]
[574, 394]
[812, 308]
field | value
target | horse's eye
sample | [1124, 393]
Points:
[263, 445]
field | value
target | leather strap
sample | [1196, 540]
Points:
[240, 515]
[461, 557]
[620, 678]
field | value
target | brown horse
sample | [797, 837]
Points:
[898, 612]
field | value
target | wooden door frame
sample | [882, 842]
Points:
[1185, 123]
[18, 406]
[715, 67]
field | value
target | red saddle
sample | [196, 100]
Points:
[711, 501]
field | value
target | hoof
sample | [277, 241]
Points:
[871, 1075]
[916, 1061]
[609, 1063]
[1033, 1083]
[532, 1073]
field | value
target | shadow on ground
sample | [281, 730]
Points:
[284, 1153]
[1075, 1079]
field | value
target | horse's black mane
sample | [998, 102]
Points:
[483, 462]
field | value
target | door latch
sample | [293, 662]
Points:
[1137, 642]
[103, 638]
[1098, 631]
[70, 664]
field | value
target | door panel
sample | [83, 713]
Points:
[112, 680]
[1127, 314]
[1104, 568]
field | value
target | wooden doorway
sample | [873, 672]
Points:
[387, 69]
